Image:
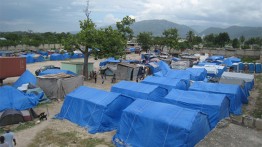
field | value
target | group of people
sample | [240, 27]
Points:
[93, 75]
[7, 139]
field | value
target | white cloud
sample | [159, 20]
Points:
[110, 19]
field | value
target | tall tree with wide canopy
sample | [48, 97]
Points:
[124, 27]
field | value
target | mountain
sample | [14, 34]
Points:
[198, 28]
[235, 31]
[157, 27]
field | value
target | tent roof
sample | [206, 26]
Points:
[196, 97]
[26, 77]
[93, 95]
[179, 74]
[234, 75]
[56, 71]
[165, 82]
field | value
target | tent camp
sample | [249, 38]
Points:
[139, 90]
[248, 78]
[109, 60]
[152, 124]
[198, 74]
[95, 109]
[166, 83]
[11, 98]
[233, 92]
[216, 106]
[56, 86]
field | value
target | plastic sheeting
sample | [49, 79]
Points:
[239, 82]
[248, 78]
[57, 87]
[56, 57]
[139, 90]
[97, 110]
[11, 98]
[153, 124]
[216, 106]
[56, 71]
[29, 58]
[198, 74]
[233, 92]
[166, 83]
[109, 60]
[26, 77]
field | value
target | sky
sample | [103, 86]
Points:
[64, 15]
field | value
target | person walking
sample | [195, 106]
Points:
[95, 76]
[9, 137]
[2, 142]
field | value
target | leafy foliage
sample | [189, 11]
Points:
[145, 39]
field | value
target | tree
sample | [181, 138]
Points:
[242, 40]
[190, 38]
[88, 38]
[235, 43]
[145, 39]
[112, 43]
[171, 38]
[222, 39]
[124, 27]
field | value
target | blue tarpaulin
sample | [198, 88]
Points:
[11, 98]
[26, 77]
[56, 71]
[152, 124]
[213, 58]
[233, 92]
[198, 74]
[109, 60]
[29, 58]
[39, 59]
[55, 57]
[139, 90]
[95, 109]
[166, 83]
[216, 106]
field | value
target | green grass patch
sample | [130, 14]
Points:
[257, 112]
[19, 127]
[51, 137]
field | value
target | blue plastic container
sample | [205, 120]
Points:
[251, 67]
[241, 66]
[258, 68]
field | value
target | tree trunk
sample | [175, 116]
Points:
[85, 69]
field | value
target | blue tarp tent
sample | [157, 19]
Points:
[26, 77]
[39, 59]
[11, 98]
[95, 109]
[109, 60]
[139, 90]
[216, 106]
[233, 92]
[166, 83]
[198, 74]
[152, 124]
[66, 56]
[55, 57]
[29, 58]
[43, 53]
[56, 71]
[213, 58]
[248, 78]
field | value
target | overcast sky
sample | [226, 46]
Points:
[64, 15]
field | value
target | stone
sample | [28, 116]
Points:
[237, 119]
[258, 124]
[248, 121]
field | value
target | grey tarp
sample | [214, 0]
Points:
[125, 71]
[56, 87]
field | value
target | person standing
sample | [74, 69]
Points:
[9, 137]
[95, 76]
[2, 142]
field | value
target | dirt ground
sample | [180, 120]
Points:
[229, 135]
